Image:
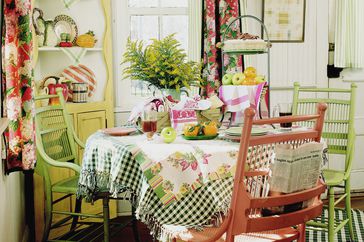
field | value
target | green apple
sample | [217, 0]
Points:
[168, 134]
[259, 79]
[227, 79]
[238, 78]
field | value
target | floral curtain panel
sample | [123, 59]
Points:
[217, 16]
[17, 84]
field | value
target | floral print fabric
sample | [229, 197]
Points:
[217, 16]
[17, 84]
[175, 170]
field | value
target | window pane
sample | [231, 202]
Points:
[176, 24]
[143, 3]
[144, 28]
[174, 3]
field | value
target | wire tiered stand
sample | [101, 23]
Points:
[251, 52]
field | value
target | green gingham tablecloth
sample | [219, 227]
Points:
[108, 163]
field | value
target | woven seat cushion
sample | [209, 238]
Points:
[68, 185]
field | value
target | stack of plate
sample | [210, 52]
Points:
[235, 132]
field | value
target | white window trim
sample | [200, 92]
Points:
[121, 13]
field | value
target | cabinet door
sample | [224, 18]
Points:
[87, 124]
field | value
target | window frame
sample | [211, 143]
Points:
[125, 100]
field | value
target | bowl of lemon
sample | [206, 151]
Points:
[202, 131]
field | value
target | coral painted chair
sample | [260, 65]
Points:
[244, 221]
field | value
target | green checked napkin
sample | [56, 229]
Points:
[75, 53]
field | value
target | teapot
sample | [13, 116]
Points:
[52, 89]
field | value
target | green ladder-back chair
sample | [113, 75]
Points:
[339, 136]
[56, 147]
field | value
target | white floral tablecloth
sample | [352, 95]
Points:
[110, 163]
[176, 169]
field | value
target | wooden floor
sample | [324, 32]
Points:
[356, 203]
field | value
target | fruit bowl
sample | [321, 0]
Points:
[200, 137]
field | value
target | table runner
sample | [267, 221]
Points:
[109, 164]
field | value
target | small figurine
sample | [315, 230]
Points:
[65, 40]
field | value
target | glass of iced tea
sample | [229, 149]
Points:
[149, 123]
[281, 110]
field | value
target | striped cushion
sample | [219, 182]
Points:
[82, 74]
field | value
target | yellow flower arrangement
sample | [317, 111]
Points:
[162, 64]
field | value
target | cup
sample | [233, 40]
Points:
[149, 123]
[281, 110]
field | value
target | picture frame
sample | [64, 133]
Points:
[285, 20]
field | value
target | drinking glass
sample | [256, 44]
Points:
[149, 123]
[281, 110]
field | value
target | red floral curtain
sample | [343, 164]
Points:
[218, 14]
[17, 84]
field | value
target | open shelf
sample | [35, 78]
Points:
[41, 49]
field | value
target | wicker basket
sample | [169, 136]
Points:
[163, 120]
[209, 115]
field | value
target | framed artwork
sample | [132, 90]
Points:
[285, 20]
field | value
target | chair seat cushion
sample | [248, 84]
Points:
[333, 177]
[68, 185]
[192, 235]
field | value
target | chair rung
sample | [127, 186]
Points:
[61, 222]
[316, 229]
[340, 186]
[316, 224]
[55, 240]
[341, 225]
[61, 198]
[78, 214]
[340, 199]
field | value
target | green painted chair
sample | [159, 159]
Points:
[339, 135]
[56, 147]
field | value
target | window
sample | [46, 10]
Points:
[143, 20]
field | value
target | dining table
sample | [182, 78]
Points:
[186, 183]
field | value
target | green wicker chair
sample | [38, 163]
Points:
[339, 135]
[56, 147]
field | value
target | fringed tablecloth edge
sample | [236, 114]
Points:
[92, 182]
[161, 233]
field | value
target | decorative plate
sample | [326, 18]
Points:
[236, 131]
[80, 74]
[118, 131]
[66, 24]
[200, 137]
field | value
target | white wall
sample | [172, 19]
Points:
[290, 62]
[12, 207]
